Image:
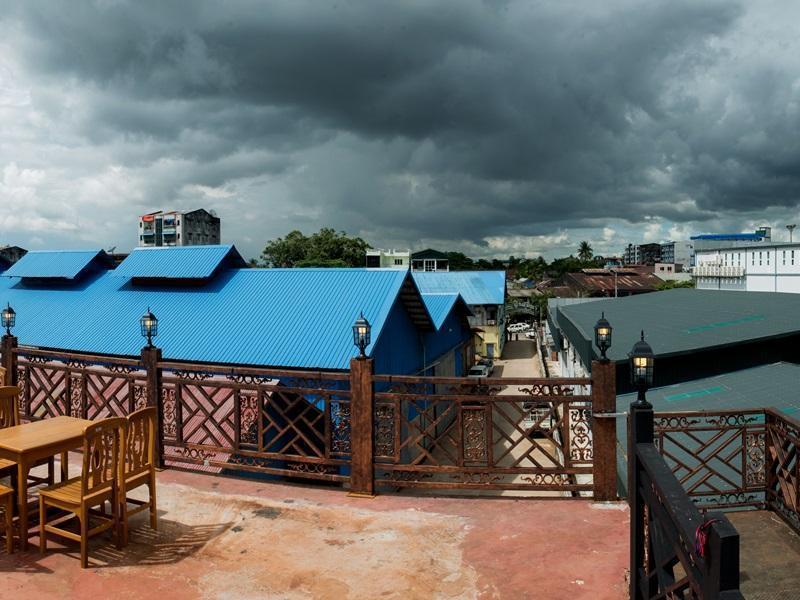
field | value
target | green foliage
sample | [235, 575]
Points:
[460, 261]
[671, 284]
[326, 248]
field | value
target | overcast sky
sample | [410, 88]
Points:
[494, 127]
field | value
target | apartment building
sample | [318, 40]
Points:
[388, 259]
[762, 268]
[176, 228]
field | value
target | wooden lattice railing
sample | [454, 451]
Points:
[354, 428]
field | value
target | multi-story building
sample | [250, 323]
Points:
[773, 267]
[711, 241]
[192, 228]
[388, 259]
[678, 253]
[642, 254]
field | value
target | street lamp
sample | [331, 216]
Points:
[361, 335]
[9, 318]
[642, 361]
[602, 336]
[149, 325]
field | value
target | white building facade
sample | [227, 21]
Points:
[388, 259]
[765, 268]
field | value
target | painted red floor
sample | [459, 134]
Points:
[228, 538]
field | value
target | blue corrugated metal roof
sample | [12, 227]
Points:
[439, 306]
[179, 262]
[476, 287]
[299, 318]
[63, 264]
[729, 236]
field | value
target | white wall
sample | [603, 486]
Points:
[766, 269]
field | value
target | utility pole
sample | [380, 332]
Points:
[791, 230]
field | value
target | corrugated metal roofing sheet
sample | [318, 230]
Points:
[476, 287]
[439, 306]
[299, 318]
[46, 264]
[179, 262]
[685, 320]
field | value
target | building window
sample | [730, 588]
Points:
[398, 261]
[753, 259]
[792, 256]
[430, 264]
[760, 259]
[768, 253]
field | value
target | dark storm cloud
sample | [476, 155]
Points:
[449, 120]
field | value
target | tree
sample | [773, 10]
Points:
[671, 284]
[326, 248]
[460, 262]
[585, 251]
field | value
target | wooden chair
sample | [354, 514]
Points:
[139, 467]
[9, 417]
[103, 447]
[7, 502]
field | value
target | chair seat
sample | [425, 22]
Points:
[5, 491]
[69, 491]
[7, 465]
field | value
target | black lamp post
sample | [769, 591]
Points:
[602, 336]
[149, 325]
[642, 361]
[362, 332]
[9, 318]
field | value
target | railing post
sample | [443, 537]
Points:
[362, 474]
[723, 558]
[604, 430]
[640, 431]
[7, 346]
[151, 357]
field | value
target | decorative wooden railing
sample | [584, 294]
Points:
[783, 467]
[354, 428]
[511, 434]
[666, 559]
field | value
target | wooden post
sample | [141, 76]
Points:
[723, 558]
[604, 430]
[362, 475]
[7, 346]
[151, 357]
[640, 431]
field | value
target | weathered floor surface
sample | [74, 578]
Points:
[227, 538]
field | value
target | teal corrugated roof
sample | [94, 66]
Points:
[439, 306]
[298, 318]
[178, 262]
[685, 320]
[476, 287]
[59, 264]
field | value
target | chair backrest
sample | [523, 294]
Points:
[9, 408]
[102, 448]
[140, 441]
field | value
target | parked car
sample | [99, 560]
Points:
[518, 327]
[488, 362]
[480, 370]
[530, 334]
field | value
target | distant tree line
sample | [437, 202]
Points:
[331, 248]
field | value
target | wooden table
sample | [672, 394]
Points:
[28, 443]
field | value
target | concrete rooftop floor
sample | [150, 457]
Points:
[231, 538]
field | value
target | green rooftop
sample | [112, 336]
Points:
[683, 320]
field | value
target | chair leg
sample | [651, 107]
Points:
[153, 510]
[10, 524]
[117, 528]
[42, 524]
[51, 471]
[84, 518]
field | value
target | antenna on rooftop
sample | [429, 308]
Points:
[791, 230]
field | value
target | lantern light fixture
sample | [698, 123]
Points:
[362, 334]
[149, 324]
[9, 318]
[642, 361]
[602, 336]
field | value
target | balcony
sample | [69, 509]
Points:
[719, 271]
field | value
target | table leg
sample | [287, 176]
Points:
[22, 495]
[64, 466]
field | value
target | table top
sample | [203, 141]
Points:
[39, 434]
